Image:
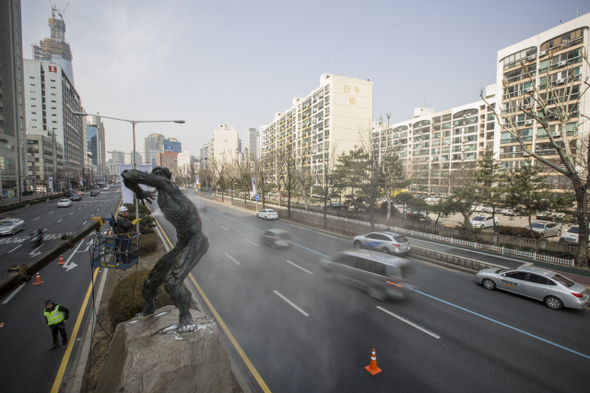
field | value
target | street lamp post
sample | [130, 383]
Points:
[133, 123]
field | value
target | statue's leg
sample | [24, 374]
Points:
[156, 278]
[195, 248]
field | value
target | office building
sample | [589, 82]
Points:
[224, 145]
[55, 49]
[45, 164]
[153, 144]
[12, 100]
[251, 144]
[328, 121]
[168, 159]
[50, 101]
[184, 161]
[117, 157]
[95, 140]
[172, 144]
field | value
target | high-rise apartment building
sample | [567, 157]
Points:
[50, 102]
[224, 145]
[252, 143]
[12, 100]
[153, 144]
[95, 140]
[204, 156]
[550, 63]
[325, 123]
[55, 49]
[117, 157]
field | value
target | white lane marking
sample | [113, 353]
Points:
[97, 209]
[232, 259]
[84, 223]
[35, 219]
[296, 265]
[250, 241]
[71, 213]
[409, 323]
[79, 208]
[51, 212]
[72, 265]
[292, 304]
[207, 218]
[60, 220]
[20, 245]
[92, 215]
[224, 228]
[13, 293]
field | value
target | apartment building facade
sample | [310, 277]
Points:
[549, 66]
[320, 126]
[224, 145]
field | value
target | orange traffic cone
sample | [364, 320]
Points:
[61, 260]
[372, 367]
[38, 280]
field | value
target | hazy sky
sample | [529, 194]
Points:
[239, 62]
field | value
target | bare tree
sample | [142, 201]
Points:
[552, 96]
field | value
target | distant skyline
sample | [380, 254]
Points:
[238, 63]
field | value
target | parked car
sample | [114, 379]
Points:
[10, 226]
[338, 205]
[477, 208]
[488, 209]
[572, 235]
[106, 188]
[508, 211]
[432, 199]
[268, 214]
[276, 238]
[386, 242]
[381, 276]
[69, 193]
[76, 197]
[64, 203]
[81, 193]
[549, 215]
[483, 221]
[94, 193]
[555, 290]
[546, 228]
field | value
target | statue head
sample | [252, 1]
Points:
[162, 171]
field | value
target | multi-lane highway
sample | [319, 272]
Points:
[302, 333]
[27, 365]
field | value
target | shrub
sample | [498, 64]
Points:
[148, 244]
[516, 231]
[126, 300]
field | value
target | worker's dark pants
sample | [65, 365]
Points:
[124, 247]
[62, 330]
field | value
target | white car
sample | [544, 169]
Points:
[64, 203]
[571, 235]
[268, 214]
[105, 189]
[546, 228]
[483, 221]
[10, 226]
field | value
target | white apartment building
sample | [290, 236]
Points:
[555, 60]
[224, 144]
[325, 123]
[183, 161]
[433, 145]
[50, 100]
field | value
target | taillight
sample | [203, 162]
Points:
[395, 244]
[576, 294]
[277, 239]
[394, 281]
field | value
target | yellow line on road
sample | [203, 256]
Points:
[72, 340]
[222, 324]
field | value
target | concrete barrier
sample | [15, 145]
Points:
[464, 264]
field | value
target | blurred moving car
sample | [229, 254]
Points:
[106, 188]
[10, 226]
[546, 228]
[268, 214]
[483, 221]
[81, 193]
[64, 203]
[276, 238]
[386, 242]
[572, 235]
[76, 197]
[201, 207]
[94, 193]
[553, 289]
[381, 276]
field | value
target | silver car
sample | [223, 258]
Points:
[276, 238]
[386, 242]
[555, 290]
[10, 226]
[546, 228]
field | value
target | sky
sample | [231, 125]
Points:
[239, 62]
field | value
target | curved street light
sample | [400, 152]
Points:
[133, 123]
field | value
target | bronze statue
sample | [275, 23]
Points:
[191, 245]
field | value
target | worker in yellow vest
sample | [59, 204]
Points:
[56, 317]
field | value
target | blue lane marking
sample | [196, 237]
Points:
[503, 324]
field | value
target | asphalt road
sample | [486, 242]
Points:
[27, 365]
[302, 333]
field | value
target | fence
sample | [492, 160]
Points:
[351, 224]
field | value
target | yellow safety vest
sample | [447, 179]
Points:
[54, 317]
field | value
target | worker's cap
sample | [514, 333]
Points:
[122, 209]
[49, 301]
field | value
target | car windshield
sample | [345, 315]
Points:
[538, 225]
[563, 281]
[574, 230]
[500, 271]
[401, 239]
[5, 223]
[478, 218]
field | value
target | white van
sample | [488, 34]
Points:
[382, 276]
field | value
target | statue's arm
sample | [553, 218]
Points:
[133, 178]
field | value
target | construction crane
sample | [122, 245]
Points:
[55, 10]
